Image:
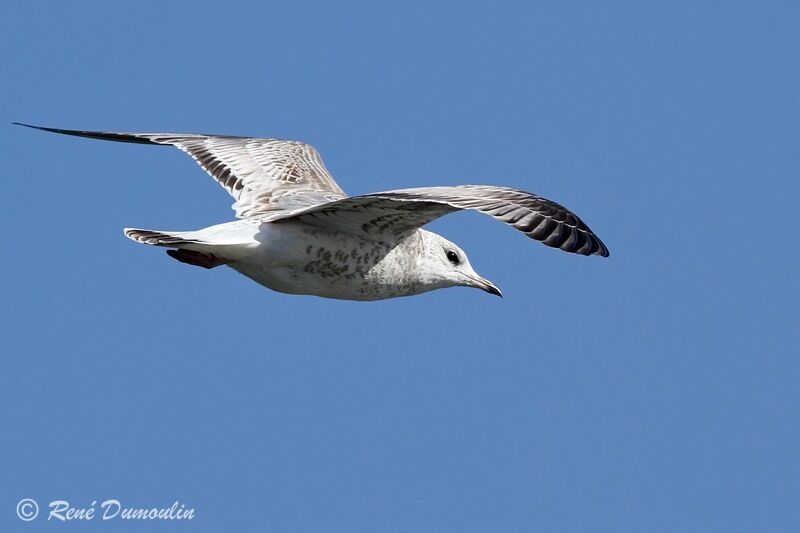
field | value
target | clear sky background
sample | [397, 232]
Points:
[656, 390]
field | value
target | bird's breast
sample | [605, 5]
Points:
[293, 257]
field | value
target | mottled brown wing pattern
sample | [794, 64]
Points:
[407, 209]
[264, 175]
[370, 215]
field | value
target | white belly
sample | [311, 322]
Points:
[296, 258]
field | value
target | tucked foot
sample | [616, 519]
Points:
[193, 257]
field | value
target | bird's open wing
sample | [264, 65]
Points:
[263, 175]
[396, 212]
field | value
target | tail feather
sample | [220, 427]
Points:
[159, 238]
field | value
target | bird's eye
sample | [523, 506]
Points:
[452, 257]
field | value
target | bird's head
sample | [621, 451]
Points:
[446, 265]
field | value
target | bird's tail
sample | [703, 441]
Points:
[207, 247]
[172, 239]
[185, 246]
[237, 233]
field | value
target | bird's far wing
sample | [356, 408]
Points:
[263, 175]
[399, 211]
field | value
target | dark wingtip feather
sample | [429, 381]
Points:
[27, 125]
[103, 136]
[602, 250]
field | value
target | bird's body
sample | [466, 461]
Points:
[299, 233]
[297, 258]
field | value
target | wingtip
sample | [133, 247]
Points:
[42, 128]
[599, 248]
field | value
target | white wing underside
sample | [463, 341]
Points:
[263, 175]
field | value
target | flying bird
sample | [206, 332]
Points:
[298, 232]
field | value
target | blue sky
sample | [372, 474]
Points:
[652, 391]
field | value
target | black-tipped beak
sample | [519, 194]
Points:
[486, 285]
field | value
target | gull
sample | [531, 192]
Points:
[299, 233]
